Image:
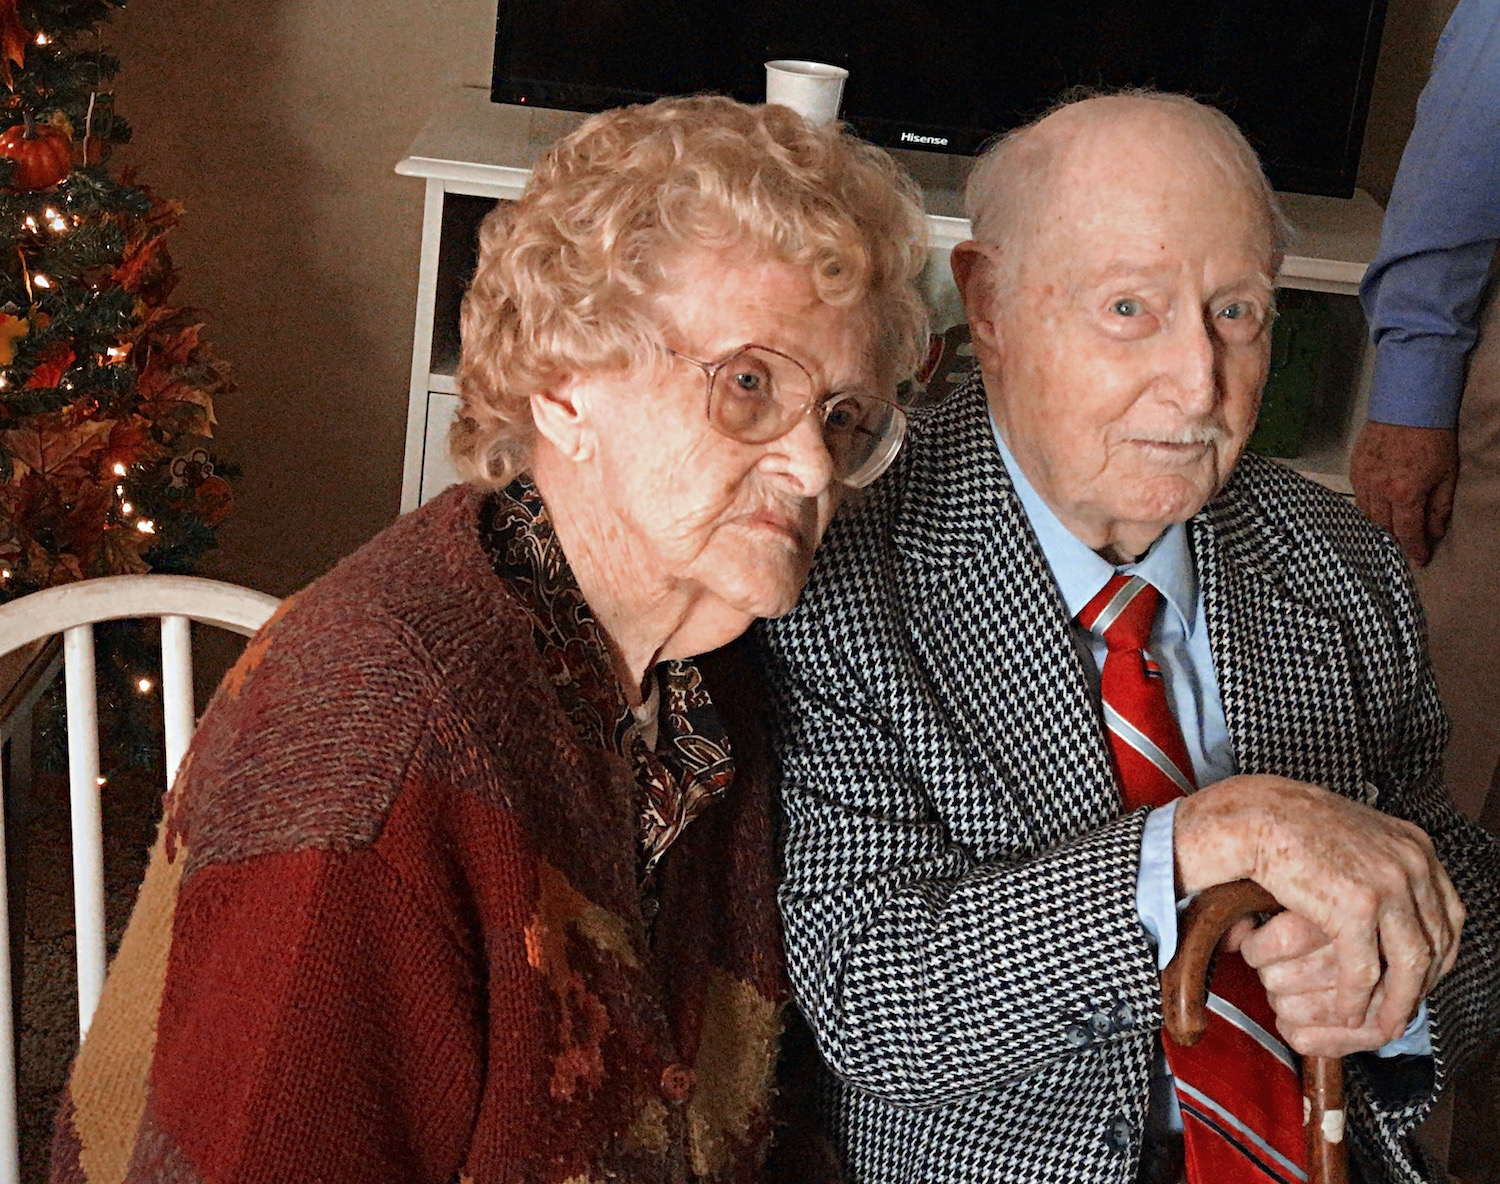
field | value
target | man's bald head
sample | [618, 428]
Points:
[1120, 293]
[1021, 177]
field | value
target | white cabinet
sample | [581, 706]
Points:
[436, 467]
[473, 153]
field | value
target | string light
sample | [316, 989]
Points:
[30, 222]
[144, 686]
[43, 39]
[117, 353]
[125, 507]
[146, 526]
[119, 489]
[4, 573]
[41, 281]
[101, 782]
[59, 224]
[4, 382]
[119, 469]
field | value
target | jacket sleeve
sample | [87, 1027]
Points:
[929, 976]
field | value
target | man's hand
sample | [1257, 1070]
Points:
[1373, 919]
[1403, 480]
[1298, 965]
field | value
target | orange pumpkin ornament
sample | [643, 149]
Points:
[43, 156]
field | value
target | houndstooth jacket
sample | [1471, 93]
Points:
[960, 881]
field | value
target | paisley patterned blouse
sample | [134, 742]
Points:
[682, 763]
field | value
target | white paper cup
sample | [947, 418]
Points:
[812, 89]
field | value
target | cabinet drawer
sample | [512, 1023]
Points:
[437, 466]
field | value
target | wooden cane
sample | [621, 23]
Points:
[1184, 998]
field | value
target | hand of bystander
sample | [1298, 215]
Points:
[1403, 480]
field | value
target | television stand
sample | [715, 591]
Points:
[473, 153]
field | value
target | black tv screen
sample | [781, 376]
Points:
[946, 75]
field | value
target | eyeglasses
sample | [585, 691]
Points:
[757, 394]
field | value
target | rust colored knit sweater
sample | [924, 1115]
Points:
[391, 929]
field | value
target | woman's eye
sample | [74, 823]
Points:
[749, 382]
[1238, 311]
[1127, 306]
[841, 414]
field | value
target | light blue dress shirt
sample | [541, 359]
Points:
[1422, 292]
[1180, 646]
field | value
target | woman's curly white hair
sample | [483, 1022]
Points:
[566, 274]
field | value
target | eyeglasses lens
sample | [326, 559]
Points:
[862, 434]
[757, 396]
[750, 392]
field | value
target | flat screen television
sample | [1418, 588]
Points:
[947, 75]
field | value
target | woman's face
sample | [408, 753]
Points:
[737, 523]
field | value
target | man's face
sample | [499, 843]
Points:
[1125, 365]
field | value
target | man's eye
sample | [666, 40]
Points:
[1242, 320]
[1127, 306]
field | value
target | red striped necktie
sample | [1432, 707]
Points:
[1238, 1087]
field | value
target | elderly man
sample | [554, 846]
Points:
[1075, 659]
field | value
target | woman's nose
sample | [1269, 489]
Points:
[801, 456]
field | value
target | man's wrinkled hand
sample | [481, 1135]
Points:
[1299, 968]
[1403, 480]
[1373, 921]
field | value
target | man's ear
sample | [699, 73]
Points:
[561, 415]
[975, 265]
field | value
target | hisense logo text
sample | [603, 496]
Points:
[913, 138]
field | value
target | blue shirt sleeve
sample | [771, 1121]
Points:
[1423, 290]
[1156, 883]
[1416, 1041]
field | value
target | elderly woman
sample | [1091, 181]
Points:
[469, 875]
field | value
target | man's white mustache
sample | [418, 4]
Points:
[1207, 433]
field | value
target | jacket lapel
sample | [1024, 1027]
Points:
[1282, 665]
[989, 627]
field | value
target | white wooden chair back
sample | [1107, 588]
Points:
[73, 610]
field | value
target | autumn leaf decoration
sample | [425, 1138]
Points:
[67, 509]
[13, 40]
[12, 329]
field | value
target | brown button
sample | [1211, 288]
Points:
[676, 1083]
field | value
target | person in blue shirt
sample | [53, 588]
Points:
[1426, 466]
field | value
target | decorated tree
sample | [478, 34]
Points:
[106, 388]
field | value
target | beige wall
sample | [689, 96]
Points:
[1412, 28]
[277, 123]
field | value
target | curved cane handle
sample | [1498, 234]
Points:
[1184, 999]
[1184, 983]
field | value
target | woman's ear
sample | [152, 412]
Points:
[561, 415]
[975, 266]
